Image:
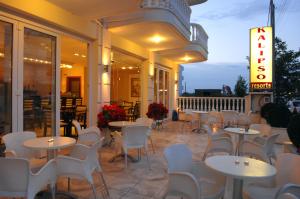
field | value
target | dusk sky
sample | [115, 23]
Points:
[227, 24]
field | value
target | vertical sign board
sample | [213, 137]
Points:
[261, 58]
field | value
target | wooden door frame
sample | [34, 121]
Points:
[68, 83]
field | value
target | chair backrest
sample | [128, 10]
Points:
[269, 144]
[135, 136]
[14, 175]
[77, 126]
[89, 135]
[243, 120]
[145, 121]
[229, 117]
[14, 141]
[287, 169]
[264, 129]
[221, 145]
[179, 158]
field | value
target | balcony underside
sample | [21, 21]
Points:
[190, 54]
[140, 27]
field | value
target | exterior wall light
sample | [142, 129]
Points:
[105, 68]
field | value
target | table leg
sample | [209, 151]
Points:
[237, 189]
[240, 139]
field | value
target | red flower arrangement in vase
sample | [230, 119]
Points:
[157, 111]
[110, 113]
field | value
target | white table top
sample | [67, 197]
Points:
[122, 123]
[227, 165]
[44, 143]
[242, 131]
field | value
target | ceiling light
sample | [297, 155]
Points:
[186, 58]
[76, 54]
[68, 66]
[130, 67]
[123, 68]
[1, 54]
[157, 39]
[84, 56]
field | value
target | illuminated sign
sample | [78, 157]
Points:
[261, 58]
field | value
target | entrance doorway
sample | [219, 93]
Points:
[74, 86]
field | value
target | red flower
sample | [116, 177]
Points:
[110, 113]
[157, 111]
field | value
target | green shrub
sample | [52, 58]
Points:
[294, 130]
[276, 115]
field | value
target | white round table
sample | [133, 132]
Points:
[241, 132]
[239, 168]
[51, 144]
[201, 116]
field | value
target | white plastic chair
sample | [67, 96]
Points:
[288, 191]
[192, 179]
[264, 129]
[264, 152]
[229, 118]
[77, 126]
[17, 180]
[147, 122]
[287, 172]
[15, 148]
[135, 137]
[80, 164]
[90, 136]
[189, 118]
[217, 143]
[243, 120]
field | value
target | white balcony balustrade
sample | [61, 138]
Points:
[212, 103]
[198, 35]
[180, 8]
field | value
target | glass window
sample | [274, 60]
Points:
[39, 82]
[6, 42]
[161, 86]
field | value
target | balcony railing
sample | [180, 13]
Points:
[198, 35]
[179, 8]
[212, 103]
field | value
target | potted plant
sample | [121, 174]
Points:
[110, 113]
[157, 111]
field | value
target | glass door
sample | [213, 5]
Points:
[161, 86]
[39, 82]
[6, 49]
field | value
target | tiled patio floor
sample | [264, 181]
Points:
[137, 181]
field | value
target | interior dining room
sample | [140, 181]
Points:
[126, 82]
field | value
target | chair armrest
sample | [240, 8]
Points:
[290, 189]
[10, 153]
[46, 175]
[185, 183]
[260, 140]
[252, 149]
[79, 151]
[201, 170]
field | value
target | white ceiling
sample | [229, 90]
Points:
[96, 9]
[141, 33]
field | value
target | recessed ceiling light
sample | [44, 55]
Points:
[84, 56]
[130, 67]
[186, 58]
[76, 54]
[123, 68]
[157, 39]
